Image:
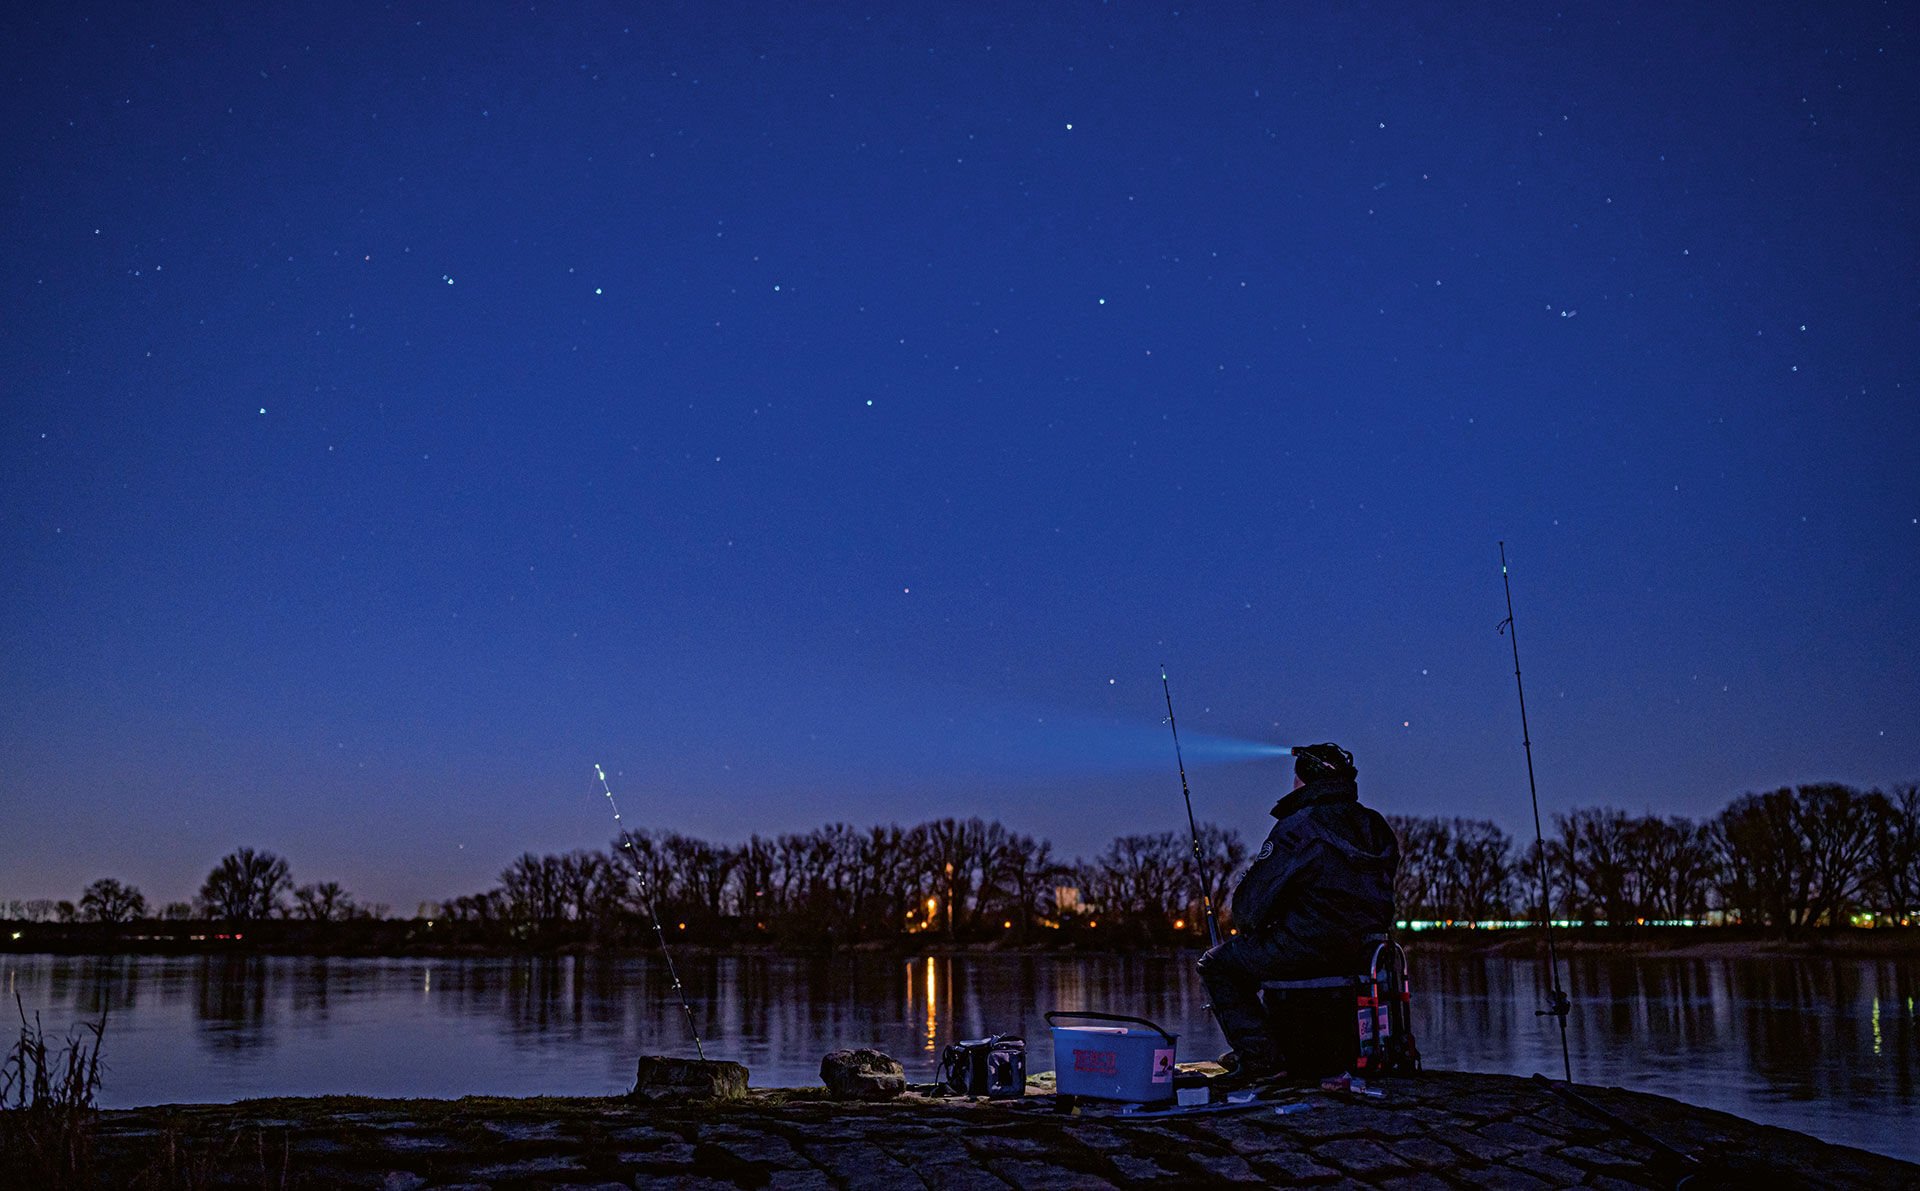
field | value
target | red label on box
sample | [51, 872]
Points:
[1096, 1062]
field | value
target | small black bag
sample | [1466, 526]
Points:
[993, 1067]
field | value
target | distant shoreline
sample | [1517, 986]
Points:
[1680, 942]
[403, 940]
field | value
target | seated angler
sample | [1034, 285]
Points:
[1320, 886]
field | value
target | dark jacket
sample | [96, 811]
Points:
[1324, 877]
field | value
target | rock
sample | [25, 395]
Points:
[864, 1074]
[662, 1079]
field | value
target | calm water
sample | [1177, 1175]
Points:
[1818, 1045]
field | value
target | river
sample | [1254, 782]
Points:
[1820, 1045]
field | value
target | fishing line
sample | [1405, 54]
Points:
[646, 895]
[1557, 1003]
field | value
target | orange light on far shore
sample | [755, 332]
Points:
[1179, 924]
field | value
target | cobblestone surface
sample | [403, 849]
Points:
[1436, 1130]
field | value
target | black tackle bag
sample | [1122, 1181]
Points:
[993, 1067]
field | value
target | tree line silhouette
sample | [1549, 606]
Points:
[1820, 855]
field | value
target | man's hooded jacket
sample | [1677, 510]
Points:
[1324, 878]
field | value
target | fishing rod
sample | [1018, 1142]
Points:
[1199, 858]
[1557, 1003]
[646, 895]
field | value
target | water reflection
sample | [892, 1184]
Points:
[932, 997]
[230, 1001]
[1823, 1045]
[103, 984]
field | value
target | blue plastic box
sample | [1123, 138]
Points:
[1132, 1062]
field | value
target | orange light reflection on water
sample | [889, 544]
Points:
[933, 1014]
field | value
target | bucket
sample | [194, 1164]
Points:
[1112, 1062]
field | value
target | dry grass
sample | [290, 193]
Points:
[47, 1109]
[181, 1162]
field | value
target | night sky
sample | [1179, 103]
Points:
[823, 412]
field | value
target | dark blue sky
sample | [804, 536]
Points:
[820, 412]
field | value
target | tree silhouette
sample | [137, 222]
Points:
[1426, 845]
[245, 886]
[1478, 873]
[107, 900]
[323, 902]
[1894, 866]
[1674, 859]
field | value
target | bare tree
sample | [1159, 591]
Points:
[482, 908]
[757, 885]
[245, 886]
[705, 871]
[1419, 885]
[1140, 877]
[1025, 880]
[1674, 858]
[1225, 854]
[1593, 849]
[107, 900]
[324, 901]
[533, 888]
[648, 883]
[1765, 873]
[582, 885]
[896, 862]
[1478, 877]
[1894, 867]
[960, 856]
[1837, 825]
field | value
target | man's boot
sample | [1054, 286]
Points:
[1244, 1071]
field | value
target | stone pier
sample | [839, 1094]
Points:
[1436, 1130]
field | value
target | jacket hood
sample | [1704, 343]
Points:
[1364, 837]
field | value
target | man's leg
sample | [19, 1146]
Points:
[1232, 973]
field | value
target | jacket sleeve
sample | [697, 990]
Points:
[1262, 893]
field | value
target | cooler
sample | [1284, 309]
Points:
[1132, 1062]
